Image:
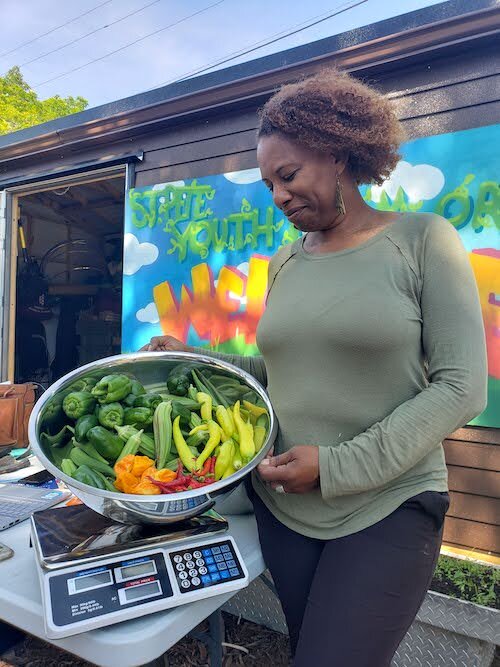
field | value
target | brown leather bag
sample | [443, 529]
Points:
[16, 404]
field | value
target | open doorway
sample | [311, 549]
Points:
[69, 277]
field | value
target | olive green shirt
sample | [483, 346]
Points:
[375, 353]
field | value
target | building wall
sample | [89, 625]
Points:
[431, 96]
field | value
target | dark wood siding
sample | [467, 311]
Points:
[473, 459]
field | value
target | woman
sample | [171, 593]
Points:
[372, 351]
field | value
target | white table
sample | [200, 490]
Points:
[127, 644]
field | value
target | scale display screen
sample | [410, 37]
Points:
[139, 592]
[88, 582]
[135, 571]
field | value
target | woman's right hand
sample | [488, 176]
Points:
[164, 343]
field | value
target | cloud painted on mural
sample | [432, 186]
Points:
[244, 177]
[162, 186]
[148, 314]
[419, 182]
[136, 254]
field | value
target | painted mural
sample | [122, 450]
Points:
[196, 251]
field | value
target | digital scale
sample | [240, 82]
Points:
[94, 572]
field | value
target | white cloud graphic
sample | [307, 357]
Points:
[243, 177]
[243, 268]
[422, 181]
[148, 314]
[160, 186]
[137, 255]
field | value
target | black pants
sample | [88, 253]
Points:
[348, 602]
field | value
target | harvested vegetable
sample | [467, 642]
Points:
[78, 403]
[112, 388]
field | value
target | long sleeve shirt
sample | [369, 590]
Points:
[375, 354]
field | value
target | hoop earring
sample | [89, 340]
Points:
[339, 198]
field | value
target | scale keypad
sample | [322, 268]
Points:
[207, 566]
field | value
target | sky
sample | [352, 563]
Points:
[191, 35]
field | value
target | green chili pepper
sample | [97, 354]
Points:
[108, 484]
[141, 417]
[78, 403]
[112, 388]
[107, 444]
[89, 449]
[111, 415]
[83, 425]
[57, 440]
[151, 401]
[88, 476]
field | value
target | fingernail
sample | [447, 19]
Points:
[264, 462]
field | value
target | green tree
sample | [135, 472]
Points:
[20, 106]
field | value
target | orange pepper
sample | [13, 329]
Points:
[164, 475]
[140, 464]
[126, 482]
[146, 488]
[125, 465]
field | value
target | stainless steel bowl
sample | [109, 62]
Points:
[150, 368]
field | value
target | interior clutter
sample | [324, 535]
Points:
[69, 278]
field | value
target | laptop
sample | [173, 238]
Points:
[18, 503]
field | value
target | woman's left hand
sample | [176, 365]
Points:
[297, 470]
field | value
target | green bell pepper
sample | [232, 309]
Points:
[83, 384]
[112, 388]
[110, 415]
[151, 401]
[140, 417]
[78, 403]
[107, 444]
[179, 379]
[53, 410]
[137, 390]
[83, 425]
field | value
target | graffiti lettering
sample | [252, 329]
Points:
[215, 311]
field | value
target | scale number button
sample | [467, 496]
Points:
[195, 581]
[234, 572]
[203, 570]
[183, 575]
[189, 564]
[177, 559]
[200, 562]
[196, 554]
[193, 573]
[224, 574]
[225, 547]
[185, 583]
[188, 556]
[180, 567]
[216, 550]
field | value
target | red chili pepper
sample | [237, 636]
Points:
[173, 486]
[211, 469]
[206, 468]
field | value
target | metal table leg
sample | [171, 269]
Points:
[213, 638]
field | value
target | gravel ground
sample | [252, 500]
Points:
[246, 644]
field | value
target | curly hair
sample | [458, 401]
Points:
[334, 113]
